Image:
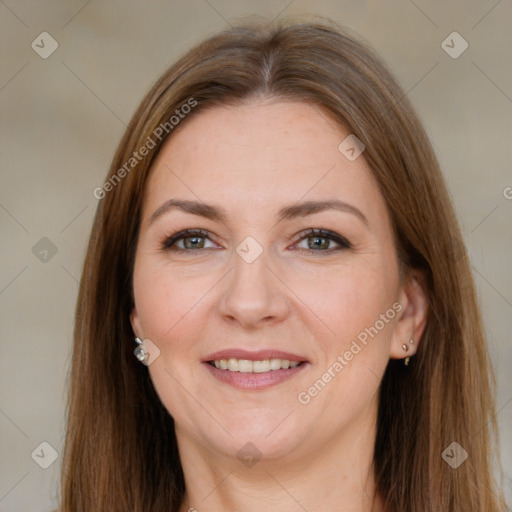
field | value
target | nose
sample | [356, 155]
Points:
[253, 295]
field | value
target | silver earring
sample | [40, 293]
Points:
[405, 347]
[411, 341]
[139, 352]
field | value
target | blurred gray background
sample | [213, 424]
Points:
[63, 113]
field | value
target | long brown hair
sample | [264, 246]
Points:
[120, 451]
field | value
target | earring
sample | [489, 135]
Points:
[406, 349]
[139, 352]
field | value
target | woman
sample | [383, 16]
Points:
[276, 242]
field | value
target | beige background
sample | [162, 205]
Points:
[61, 119]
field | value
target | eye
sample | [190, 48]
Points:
[322, 241]
[187, 240]
[316, 240]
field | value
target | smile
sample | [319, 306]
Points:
[248, 366]
[254, 371]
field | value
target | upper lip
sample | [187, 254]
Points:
[258, 355]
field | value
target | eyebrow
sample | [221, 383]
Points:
[292, 211]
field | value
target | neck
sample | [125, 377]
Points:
[333, 475]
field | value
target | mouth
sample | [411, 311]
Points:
[258, 366]
[254, 370]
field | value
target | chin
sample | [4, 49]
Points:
[270, 438]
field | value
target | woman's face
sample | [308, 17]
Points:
[260, 282]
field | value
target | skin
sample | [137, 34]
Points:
[251, 160]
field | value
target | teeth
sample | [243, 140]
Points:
[261, 366]
[275, 364]
[248, 366]
[233, 365]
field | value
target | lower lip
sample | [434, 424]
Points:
[255, 381]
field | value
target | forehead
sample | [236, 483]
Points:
[259, 154]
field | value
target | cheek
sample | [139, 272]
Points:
[359, 309]
[348, 300]
[168, 304]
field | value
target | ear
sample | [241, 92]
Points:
[413, 317]
[135, 321]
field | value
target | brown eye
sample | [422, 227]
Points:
[193, 242]
[318, 242]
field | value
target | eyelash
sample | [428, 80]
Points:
[168, 242]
